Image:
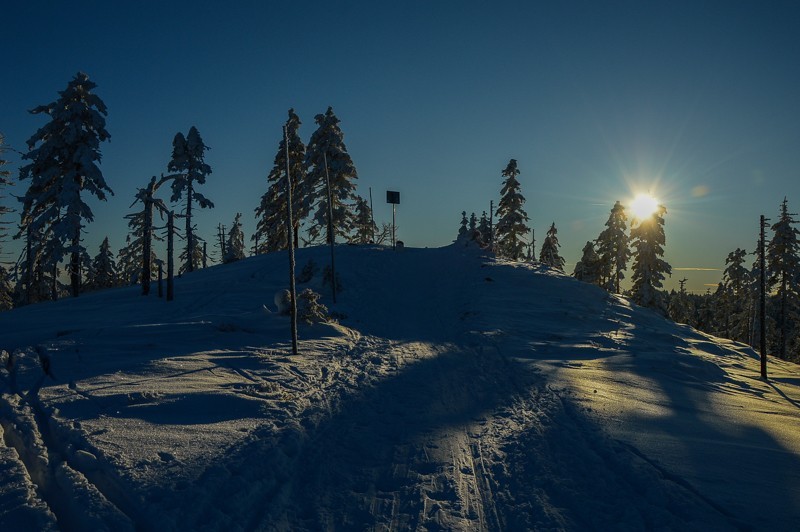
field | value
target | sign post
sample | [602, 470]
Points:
[393, 197]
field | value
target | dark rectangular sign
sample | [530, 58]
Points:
[392, 197]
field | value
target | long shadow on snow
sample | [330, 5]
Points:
[687, 382]
[579, 322]
[372, 449]
[660, 352]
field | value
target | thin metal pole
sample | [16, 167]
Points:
[763, 301]
[331, 234]
[289, 234]
[394, 240]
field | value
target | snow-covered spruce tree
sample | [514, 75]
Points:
[483, 228]
[189, 169]
[63, 157]
[473, 224]
[197, 252]
[327, 145]
[271, 232]
[234, 250]
[738, 305]
[149, 202]
[6, 290]
[103, 271]
[128, 265]
[511, 224]
[5, 180]
[648, 267]
[679, 308]
[613, 249]
[37, 269]
[549, 254]
[131, 258]
[365, 226]
[783, 272]
[462, 229]
[588, 268]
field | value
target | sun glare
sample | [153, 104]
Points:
[643, 205]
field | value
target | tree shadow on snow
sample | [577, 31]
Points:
[344, 470]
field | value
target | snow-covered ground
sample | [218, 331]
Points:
[456, 392]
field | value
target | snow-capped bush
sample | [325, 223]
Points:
[283, 300]
[309, 309]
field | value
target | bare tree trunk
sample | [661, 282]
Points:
[189, 234]
[170, 253]
[75, 268]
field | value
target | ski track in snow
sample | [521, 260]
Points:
[432, 408]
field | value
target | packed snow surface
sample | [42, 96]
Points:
[456, 392]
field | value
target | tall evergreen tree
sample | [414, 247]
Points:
[5, 180]
[327, 145]
[613, 249]
[648, 266]
[6, 290]
[549, 253]
[271, 231]
[63, 159]
[141, 235]
[462, 228]
[189, 169]
[473, 224]
[365, 226]
[680, 309]
[235, 249]
[783, 272]
[511, 224]
[588, 268]
[483, 227]
[103, 271]
[739, 306]
[149, 202]
[37, 278]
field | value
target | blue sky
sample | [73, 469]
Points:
[595, 100]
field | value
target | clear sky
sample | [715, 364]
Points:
[697, 102]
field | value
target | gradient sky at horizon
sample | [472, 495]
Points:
[696, 102]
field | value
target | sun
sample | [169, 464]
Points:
[643, 206]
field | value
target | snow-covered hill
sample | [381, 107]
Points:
[457, 392]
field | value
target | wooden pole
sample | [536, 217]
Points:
[331, 234]
[147, 234]
[29, 264]
[170, 253]
[289, 234]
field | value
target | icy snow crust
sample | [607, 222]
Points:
[458, 393]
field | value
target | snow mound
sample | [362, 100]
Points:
[456, 392]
